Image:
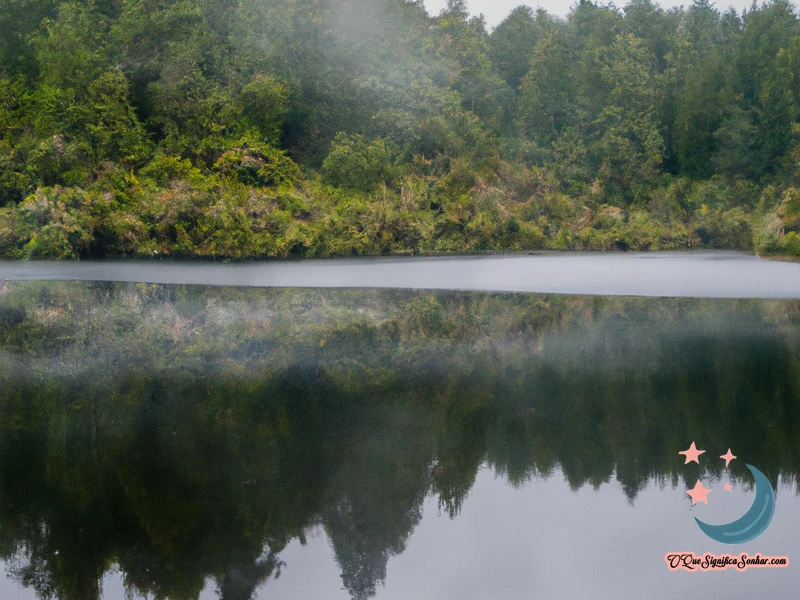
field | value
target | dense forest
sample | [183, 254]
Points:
[271, 128]
[185, 433]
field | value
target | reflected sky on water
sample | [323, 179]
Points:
[696, 274]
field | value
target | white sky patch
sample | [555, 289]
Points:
[496, 10]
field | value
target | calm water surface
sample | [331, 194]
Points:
[178, 441]
[666, 274]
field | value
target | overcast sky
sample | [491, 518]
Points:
[496, 10]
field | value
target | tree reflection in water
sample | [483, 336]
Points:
[183, 433]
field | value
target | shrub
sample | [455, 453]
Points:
[258, 165]
[357, 163]
[792, 244]
[164, 169]
[769, 237]
[59, 222]
[723, 228]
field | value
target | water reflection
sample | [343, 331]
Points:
[187, 433]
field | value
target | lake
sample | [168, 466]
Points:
[707, 274]
[262, 436]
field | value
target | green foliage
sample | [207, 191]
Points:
[58, 223]
[792, 244]
[779, 228]
[358, 163]
[429, 133]
[72, 48]
[13, 183]
[512, 42]
[164, 169]
[548, 89]
[697, 125]
[628, 145]
[263, 103]
[257, 165]
[723, 228]
[195, 116]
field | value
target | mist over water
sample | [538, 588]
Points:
[252, 443]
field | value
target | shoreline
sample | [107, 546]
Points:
[697, 274]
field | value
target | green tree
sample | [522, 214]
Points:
[699, 114]
[627, 143]
[513, 41]
[548, 102]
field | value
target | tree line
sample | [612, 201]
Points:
[261, 128]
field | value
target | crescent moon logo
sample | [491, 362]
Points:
[753, 523]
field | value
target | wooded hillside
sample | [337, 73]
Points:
[259, 128]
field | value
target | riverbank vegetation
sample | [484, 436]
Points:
[181, 434]
[271, 128]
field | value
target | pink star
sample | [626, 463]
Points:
[728, 487]
[728, 457]
[692, 454]
[698, 493]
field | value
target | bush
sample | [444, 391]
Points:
[257, 165]
[792, 244]
[790, 210]
[723, 229]
[357, 163]
[13, 183]
[769, 238]
[164, 169]
[58, 223]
